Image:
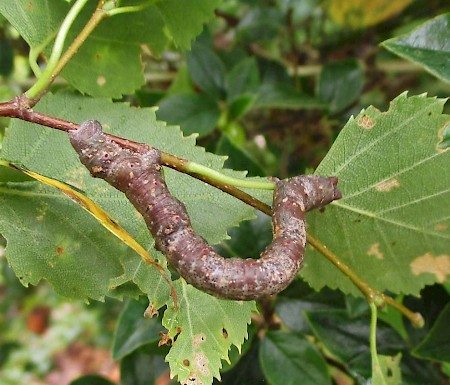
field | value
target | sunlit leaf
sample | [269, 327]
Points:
[360, 13]
[393, 224]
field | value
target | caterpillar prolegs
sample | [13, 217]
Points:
[138, 175]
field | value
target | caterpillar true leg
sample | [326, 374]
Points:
[139, 177]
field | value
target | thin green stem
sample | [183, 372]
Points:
[34, 55]
[48, 75]
[373, 339]
[200, 169]
[131, 8]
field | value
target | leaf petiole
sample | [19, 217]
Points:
[47, 76]
[132, 8]
[373, 339]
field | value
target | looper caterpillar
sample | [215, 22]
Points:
[138, 175]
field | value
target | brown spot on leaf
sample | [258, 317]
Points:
[186, 362]
[441, 227]
[427, 263]
[387, 185]
[366, 122]
[374, 250]
[198, 339]
[224, 333]
[101, 81]
[59, 250]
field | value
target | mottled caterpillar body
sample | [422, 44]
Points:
[138, 175]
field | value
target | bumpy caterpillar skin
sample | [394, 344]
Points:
[139, 177]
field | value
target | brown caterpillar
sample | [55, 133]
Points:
[139, 177]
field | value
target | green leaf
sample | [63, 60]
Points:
[239, 106]
[284, 96]
[142, 367]
[388, 372]
[428, 45]
[6, 58]
[242, 79]
[348, 338]
[298, 298]
[49, 237]
[91, 379]
[109, 61]
[37, 21]
[249, 239]
[247, 371]
[184, 21]
[361, 14]
[287, 357]
[193, 113]
[11, 175]
[340, 84]
[238, 158]
[207, 70]
[260, 23]
[205, 328]
[436, 345]
[67, 246]
[134, 330]
[392, 226]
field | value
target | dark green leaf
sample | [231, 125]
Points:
[193, 113]
[142, 368]
[428, 46]
[92, 379]
[436, 345]
[340, 84]
[288, 358]
[238, 158]
[249, 239]
[247, 371]
[348, 338]
[240, 105]
[298, 298]
[6, 58]
[284, 96]
[134, 330]
[207, 70]
[243, 78]
[260, 23]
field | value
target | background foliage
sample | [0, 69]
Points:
[271, 85]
